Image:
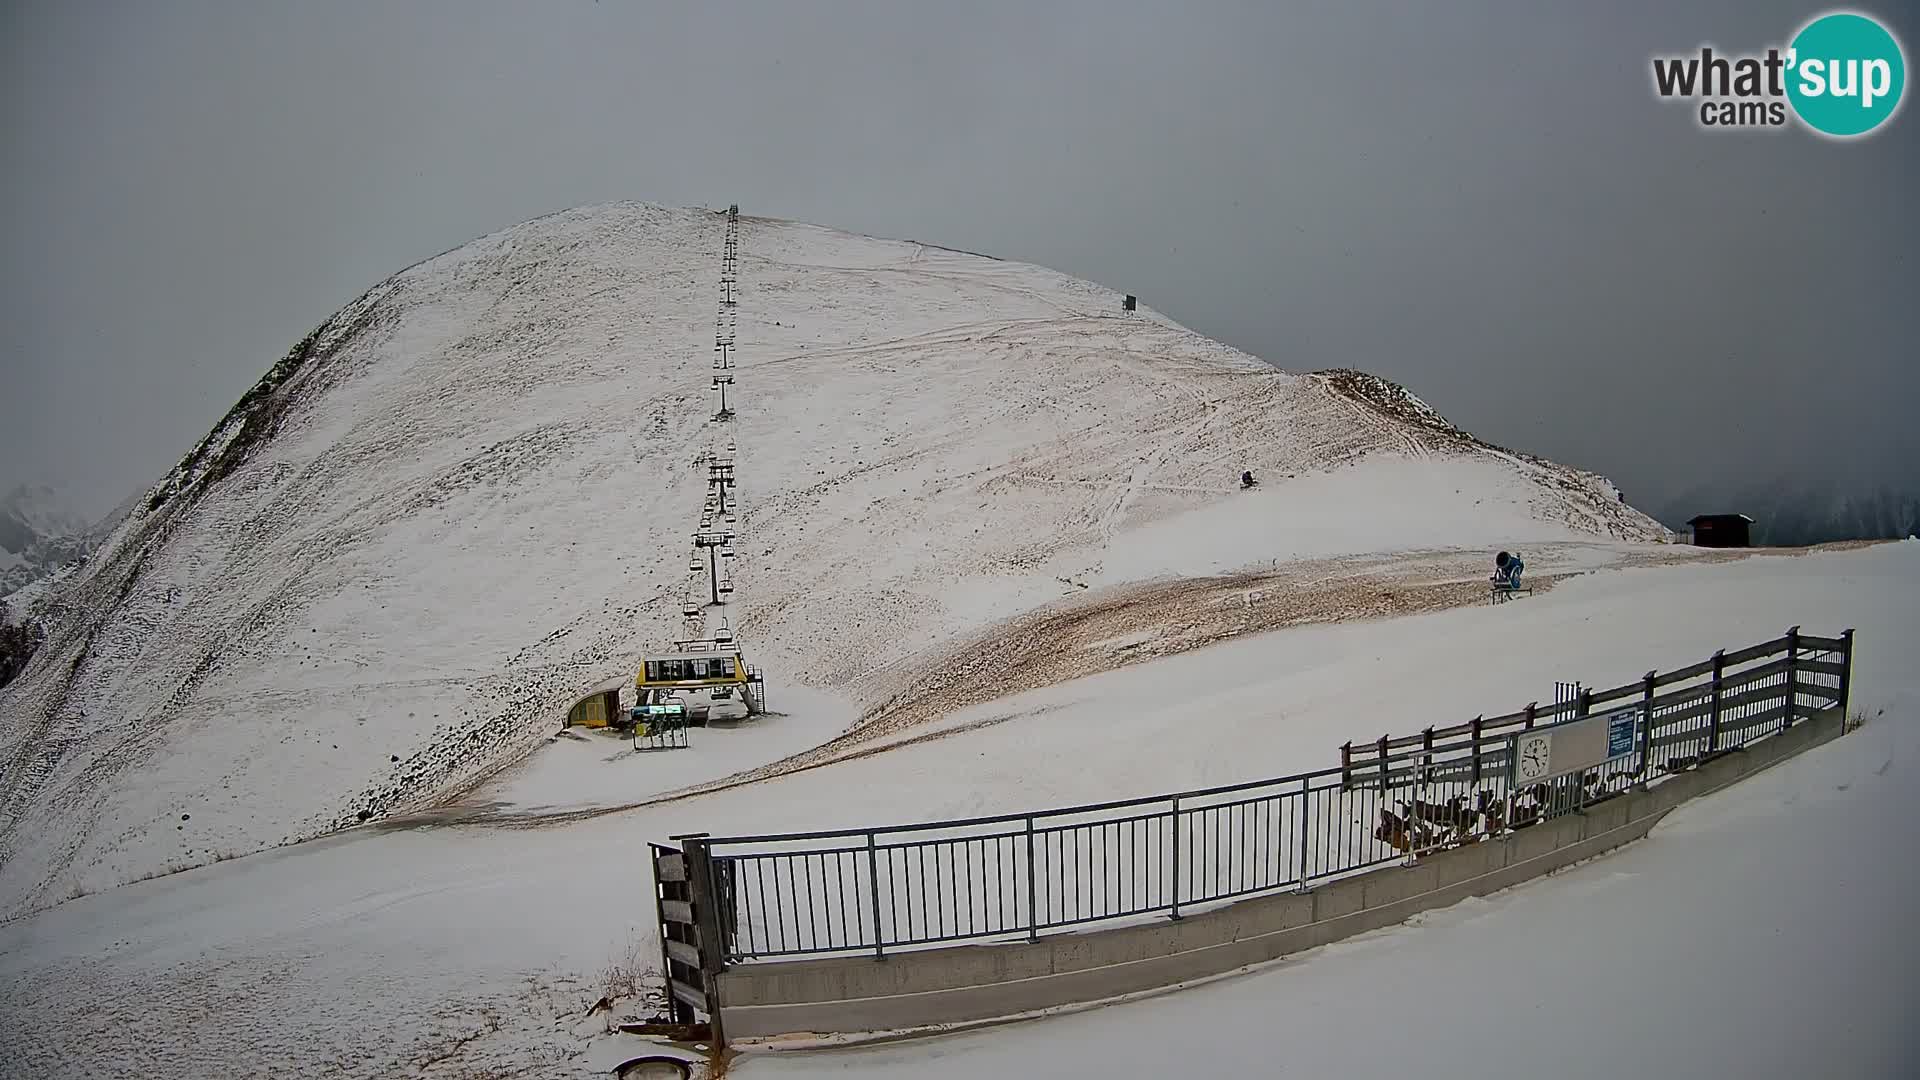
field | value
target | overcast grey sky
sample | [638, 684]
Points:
[1481, 200]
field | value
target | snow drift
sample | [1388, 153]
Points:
[463, 500]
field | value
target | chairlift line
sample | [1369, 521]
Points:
[711, 665]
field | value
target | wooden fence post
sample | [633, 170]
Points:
[678, 1010]
[706, 916]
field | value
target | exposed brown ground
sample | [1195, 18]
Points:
[1126, 625]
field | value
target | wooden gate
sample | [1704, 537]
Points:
[692, 951]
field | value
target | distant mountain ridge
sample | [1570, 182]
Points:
[1796, 516]
[39, 535]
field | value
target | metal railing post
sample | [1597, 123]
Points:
[1793, 676]
[1346, 765]
[1476, 748]
[1301, 825]
[1033, 872]
[1713, 721]
[1846, 678]
[1385, 777]
[1646, 728]
[1421, 775]
[1175, 913]
[1513, 779]
[1582, 709]
[873, 875]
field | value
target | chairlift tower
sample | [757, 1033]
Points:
[720, 383]
[713, 542]
[720, 478]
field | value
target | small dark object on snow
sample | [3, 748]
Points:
[1247, 480]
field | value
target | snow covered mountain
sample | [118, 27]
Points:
[38, 535]
[464, 500]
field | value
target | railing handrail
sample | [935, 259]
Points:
[996, 819]
[1542, 714]
[1624, 690]
[1492, 731]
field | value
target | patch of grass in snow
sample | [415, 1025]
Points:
[630, 976]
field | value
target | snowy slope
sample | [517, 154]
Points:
[1761, 932]
[376, 952]
[464, 500]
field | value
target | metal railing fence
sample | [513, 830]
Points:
[1021, 875]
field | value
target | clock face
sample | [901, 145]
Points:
[1532, 757]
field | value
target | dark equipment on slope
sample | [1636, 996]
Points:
[1505, 583]
[1247, 481]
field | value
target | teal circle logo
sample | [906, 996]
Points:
[1845, 74]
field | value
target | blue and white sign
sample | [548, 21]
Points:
[1620, 731]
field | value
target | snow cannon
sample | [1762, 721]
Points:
[1506, 577]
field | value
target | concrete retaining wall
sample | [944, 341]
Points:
[981, 983]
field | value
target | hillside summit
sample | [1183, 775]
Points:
[462, 501]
